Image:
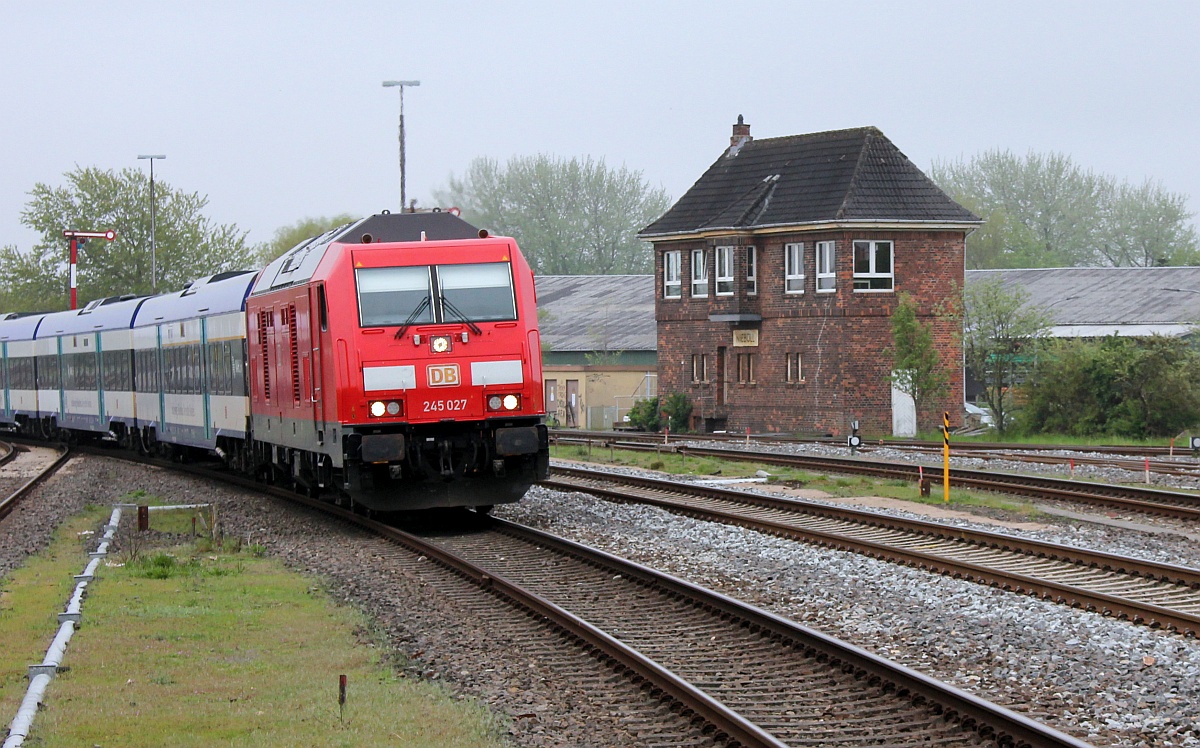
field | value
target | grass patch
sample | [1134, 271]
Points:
[834, 485]
[186, 648]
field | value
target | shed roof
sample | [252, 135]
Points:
[837, 176]
[597, 312]
[1093, 302]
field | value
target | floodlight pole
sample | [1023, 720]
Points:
[153, 253]
[400, 85]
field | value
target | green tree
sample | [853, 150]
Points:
[188, 244]
[287, 237]
[1122, 387]
[570, 217]
[1044, 210]
[1000, 336]
[917, 369]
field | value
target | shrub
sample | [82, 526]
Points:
[643, 416]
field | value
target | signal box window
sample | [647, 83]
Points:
[477, 293]
[390, 296]
[751, 271]
[672, 283]
[872, 266]
[795, 368]
[699, 272]
[826, 269]
[745, 364]
[794, 268]
[699, 367]
[724, 271]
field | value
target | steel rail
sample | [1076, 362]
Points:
[642, 436]
[988, 719]
[8, 504]
[1130, 498]
[661, 492]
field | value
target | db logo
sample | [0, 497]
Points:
[444, 375]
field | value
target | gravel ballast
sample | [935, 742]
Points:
[1103, 680]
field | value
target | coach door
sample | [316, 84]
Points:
[319, 329]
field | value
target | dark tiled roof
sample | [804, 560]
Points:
[843, 175]
[1108, 299]
[597, 312]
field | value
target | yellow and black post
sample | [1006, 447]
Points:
[946, 457]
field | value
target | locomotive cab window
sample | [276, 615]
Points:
[476, 293]
[394, 296]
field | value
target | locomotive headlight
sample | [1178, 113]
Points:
[378, 408]
[512, 402]
[393, 408]
[439, 343]
[494, 402]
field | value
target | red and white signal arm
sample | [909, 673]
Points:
[108, 235]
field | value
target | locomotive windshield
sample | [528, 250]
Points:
[389, 296]
[481, 292]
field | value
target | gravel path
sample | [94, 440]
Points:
[1109, 682]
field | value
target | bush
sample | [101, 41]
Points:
[1123, 387]
[643, 416]
[679, 411]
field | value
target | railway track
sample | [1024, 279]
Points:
[736, 674]
[9, 453]
[1145, 592]
[916, 444]
[1130, 498]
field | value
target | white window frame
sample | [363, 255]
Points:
[795, 367]
[793, 268]
[751, 271]
[826, 265]
[699, 273]
[672, 282]
[724, 271]
[873, 280]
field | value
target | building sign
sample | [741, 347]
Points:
[743, 338]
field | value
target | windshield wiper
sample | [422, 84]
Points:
[474, 327]
[412, 317]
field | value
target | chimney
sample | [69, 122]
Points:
[741, 134]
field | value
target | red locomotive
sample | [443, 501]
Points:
[394, 362]
[398, 361]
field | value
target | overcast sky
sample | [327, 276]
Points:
[275, 110]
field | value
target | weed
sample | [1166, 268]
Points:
[656, 465]
[257, 550]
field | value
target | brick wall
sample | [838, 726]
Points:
[842, 337]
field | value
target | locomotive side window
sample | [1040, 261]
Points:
[393, 296]
[477, 293]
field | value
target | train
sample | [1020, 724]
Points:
[393, 363]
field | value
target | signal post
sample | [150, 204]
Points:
[78, 239]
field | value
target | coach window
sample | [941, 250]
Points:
[476, 293]
[393, 296]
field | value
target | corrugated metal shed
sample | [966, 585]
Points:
[1093, 302]
[597, 312]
